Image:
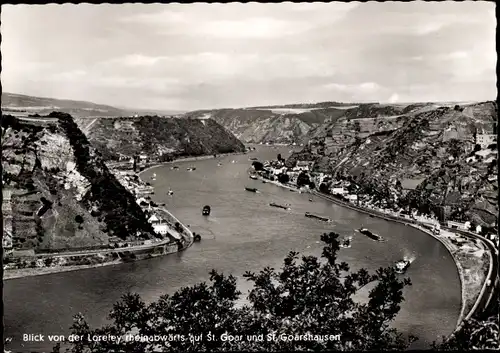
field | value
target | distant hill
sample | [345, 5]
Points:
[273, 125]
[160, 136]
[19, 104]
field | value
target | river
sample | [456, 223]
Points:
[242, 233]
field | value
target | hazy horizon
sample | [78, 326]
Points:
[188, 57]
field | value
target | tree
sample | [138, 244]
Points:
[258, 165]
[311, 297]
[302, 179]
[472, 335]
[283, 178]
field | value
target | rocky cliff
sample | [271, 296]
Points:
[270, 124]
[62, 195]
[160, 136]
[423, 156]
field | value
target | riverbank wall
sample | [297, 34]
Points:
[42, 264]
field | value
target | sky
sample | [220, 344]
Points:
[196, 56]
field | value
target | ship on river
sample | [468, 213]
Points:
[402, 265]
[370, 235]
[279, 206]
[251, 189]
[206, 210]
[324, 219]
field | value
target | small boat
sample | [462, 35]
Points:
[206, 210]
[233, 161]
[153, 177]
[324, 219]
[174, 167]
[372, 216]
[402, 265]
[196, 237]
[279, 206]
[253, 159]
[251, 189]
[370, 234]
[345, 242]
[263, 181]
[254, 177]
[219, 164]
[310, 200]
[170, 192]
[190, 169]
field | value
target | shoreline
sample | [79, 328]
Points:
[458, 265]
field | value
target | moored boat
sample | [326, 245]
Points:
[254, 177]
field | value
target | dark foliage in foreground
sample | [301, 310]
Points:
[315, 296]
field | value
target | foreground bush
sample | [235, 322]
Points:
[314, 296]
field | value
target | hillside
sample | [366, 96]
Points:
[273, 125]
[422, 156]
[62, 195]
[161, 137]
[19, 104]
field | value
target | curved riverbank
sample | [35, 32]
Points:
[460, 269]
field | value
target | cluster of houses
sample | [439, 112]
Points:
[160, 225]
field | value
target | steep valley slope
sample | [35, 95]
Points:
[159, 137]
[270, 124]
[423, 156]
[62, 195]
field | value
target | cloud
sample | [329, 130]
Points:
[394, 98]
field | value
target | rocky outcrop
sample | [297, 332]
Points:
[159, 137]
[63, 195]
[425, 158]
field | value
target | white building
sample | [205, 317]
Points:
[352, 197]
[302, 166]
[338, 191]
[457, 225]
[484, 140]
[161, 228]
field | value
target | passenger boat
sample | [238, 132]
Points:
[402, 265]
[346, 242]
[279, 206]
[370, 234]
[206, 210]
[251, 189]
[310, 215]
